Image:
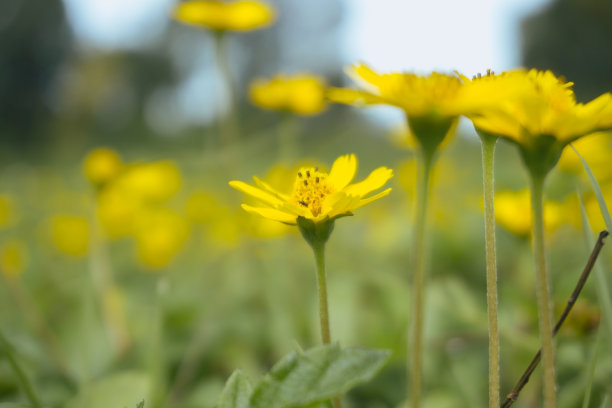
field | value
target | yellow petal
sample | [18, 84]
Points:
[374, 181]
[255, 192]
[265, 186]
[338, 203]
[342, 172]
[271, 214]
[372, 198]
[352, 96]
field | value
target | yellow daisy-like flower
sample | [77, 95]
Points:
[317, 196]
[301, 94]
[418, 95]
[432, 103]
[543, 117]
[241, 15]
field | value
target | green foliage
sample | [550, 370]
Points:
[305, 378]
[237, 391]
[118, 390]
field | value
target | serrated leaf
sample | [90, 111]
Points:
[319, 374]
[236, 392]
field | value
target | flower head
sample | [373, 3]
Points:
[316, 195]
[300, 94]
[418, 95]
[102, 165]
[240, 15]
[542, 116]
[432, 103]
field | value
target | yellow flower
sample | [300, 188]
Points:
[513, 212]
[241, 15]
[418, 95]
[317, 196]
[160, 235]
[7, 211]
[432, 103]
[543, 117]
[70, 234]
[596, 150]
[13, 258]
[300, 94]
[101, 165]
[157, 181]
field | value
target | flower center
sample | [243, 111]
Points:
[310, 189]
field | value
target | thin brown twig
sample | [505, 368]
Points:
[511, 398]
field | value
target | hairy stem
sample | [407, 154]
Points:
[543, 291]
[488, 155]
[418, 275]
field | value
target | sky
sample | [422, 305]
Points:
[467, 35]
[390, 35]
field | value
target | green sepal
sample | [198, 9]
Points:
[316, 233]
[430, 130]
[541, 154]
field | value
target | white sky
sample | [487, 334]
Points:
[402, 35]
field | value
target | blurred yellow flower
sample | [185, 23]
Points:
[101, 165]
[13, 258]
[241, 15]
[157, 181]
[596, 150]
[160, 234]
[513, 212]
[316, 195]
[70, 234]
[7, 211]
[300, 94]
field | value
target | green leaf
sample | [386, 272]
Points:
[236, 392]
[117, 390]
[597, 190]
[317, 375]
[140, 404]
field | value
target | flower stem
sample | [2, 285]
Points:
[418, 254]
[488, 156]
[319, 253]
[23, 379]
[543, 290]
[228, 123]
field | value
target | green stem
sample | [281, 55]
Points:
[319, 253]
[418, 296]
[488, 156]
[21, 375]
[543, 290]
[228, 123]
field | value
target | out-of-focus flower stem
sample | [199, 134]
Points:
[415, 358]
[488, 143]
[23, 379]
[543, 290]
[229, 122]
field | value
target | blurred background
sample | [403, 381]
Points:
[129, 271]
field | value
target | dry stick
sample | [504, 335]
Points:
[510, 398]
